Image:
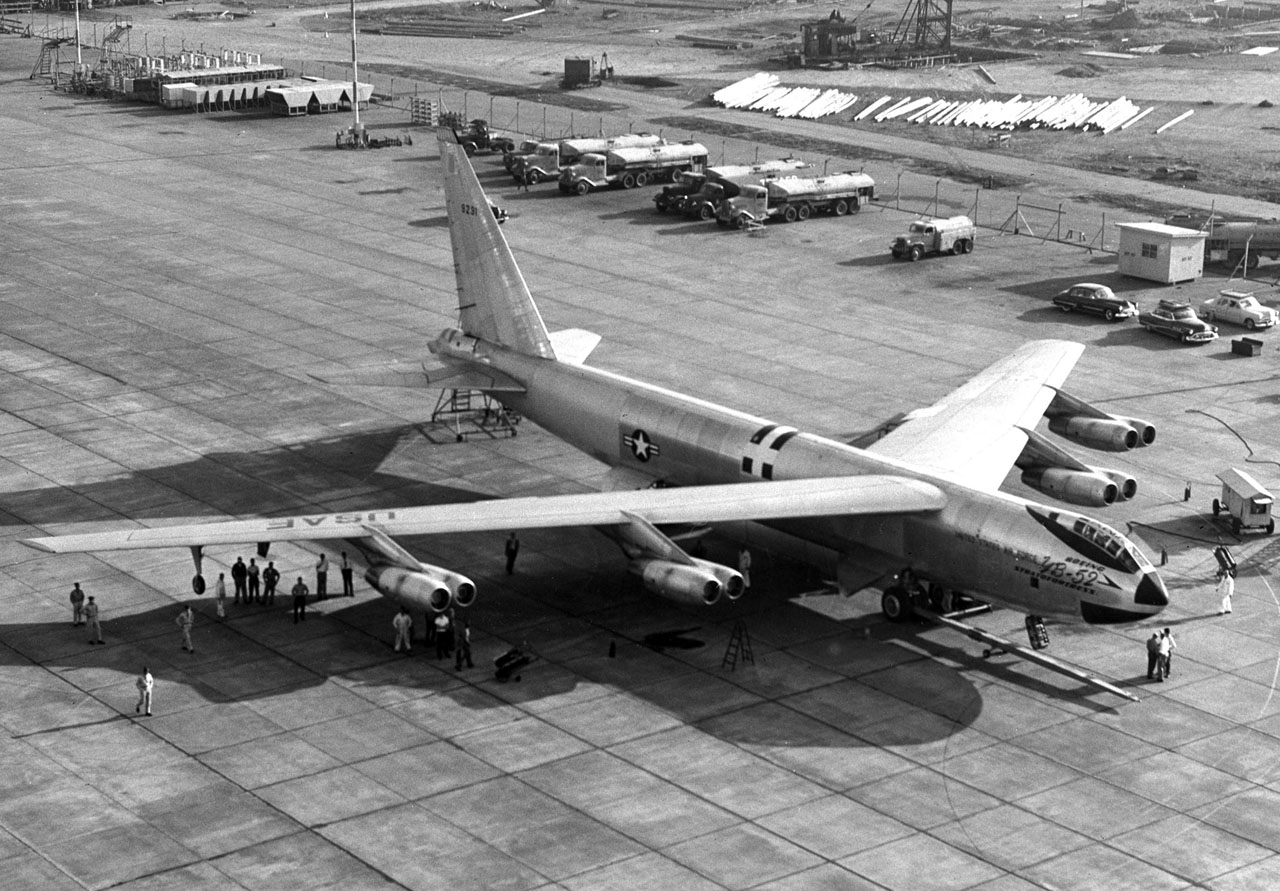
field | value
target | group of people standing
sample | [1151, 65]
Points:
[444, 631]
[1160, 646]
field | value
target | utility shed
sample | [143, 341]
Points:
[1161, 253]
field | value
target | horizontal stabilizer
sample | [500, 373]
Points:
[779, 499]
[573, 345]
[421, 377]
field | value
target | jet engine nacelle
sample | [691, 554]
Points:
[732, 584]
[428, 589]
[1086, 488]
[1127, 485]
[1146, 431]
[685, 583]
[1106, 434]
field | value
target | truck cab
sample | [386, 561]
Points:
[526, 147]
[750, 205]
[542, 163]
[676, 195]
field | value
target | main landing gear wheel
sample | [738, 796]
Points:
[895, 604]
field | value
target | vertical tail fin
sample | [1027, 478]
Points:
[494, 303]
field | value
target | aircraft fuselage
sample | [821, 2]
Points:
[1007, 550]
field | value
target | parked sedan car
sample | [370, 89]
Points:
[1175, 319]
[1240, 308]
[1088, 297]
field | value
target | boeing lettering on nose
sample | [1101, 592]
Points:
[917, 506]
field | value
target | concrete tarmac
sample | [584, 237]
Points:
[168, 281]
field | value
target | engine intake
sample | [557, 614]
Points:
[732, 585]
[1146, 431]
[1087, 488]
[1106, 434]
[430, 589]
[1127, 485]
[682, 582]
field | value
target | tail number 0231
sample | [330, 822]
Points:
[469, 209]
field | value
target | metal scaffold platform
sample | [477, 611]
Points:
[471, 413]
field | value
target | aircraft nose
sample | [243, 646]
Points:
[1151, 591]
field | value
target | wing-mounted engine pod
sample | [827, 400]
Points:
[1081, 487]
[416, 591]
[1105, 434]
[732, 585]
[1146, 431]
[679, 581]
[1127, 485]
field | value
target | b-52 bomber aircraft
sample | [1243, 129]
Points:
[920, 507]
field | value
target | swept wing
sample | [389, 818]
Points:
[974, 435]
[872, 494]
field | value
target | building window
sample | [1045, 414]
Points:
[1150, 251]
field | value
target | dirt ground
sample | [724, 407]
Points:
[1230, 144]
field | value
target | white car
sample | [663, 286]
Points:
[1240, 308]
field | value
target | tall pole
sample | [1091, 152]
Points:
[355, 72]
[79, 61]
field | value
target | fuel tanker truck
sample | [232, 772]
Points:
[792, 198]
[632, 167]
[543, 160]
[698, 196]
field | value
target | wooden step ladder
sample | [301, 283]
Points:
[739, 647]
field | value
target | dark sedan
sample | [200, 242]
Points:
[1088, 297]
[1178, 320]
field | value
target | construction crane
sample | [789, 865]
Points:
[925, 27]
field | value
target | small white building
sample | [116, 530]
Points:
[1161, 253]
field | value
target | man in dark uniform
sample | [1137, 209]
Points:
[254, 593]
[270, 576]
[300, 592]
[512, 549]
[239, 573]
[348, 587]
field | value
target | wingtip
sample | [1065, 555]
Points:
[37, 544]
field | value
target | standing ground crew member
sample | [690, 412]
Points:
[145, 683]
[348, 587]
[185, 620]
[512, 549]
[322, 577]
[77, 606]
[239, 572]
[91, 616]
[270, 576]
[462, 637]
[403, 624]
[300, 593]
[255, 593]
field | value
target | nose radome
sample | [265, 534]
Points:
[1151, 591]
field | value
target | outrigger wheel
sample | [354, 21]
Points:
[895, 603]
[197, 583]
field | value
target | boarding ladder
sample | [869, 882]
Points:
[739, 647]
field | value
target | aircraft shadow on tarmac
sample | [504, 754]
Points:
[257, 652]
[311, 477]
